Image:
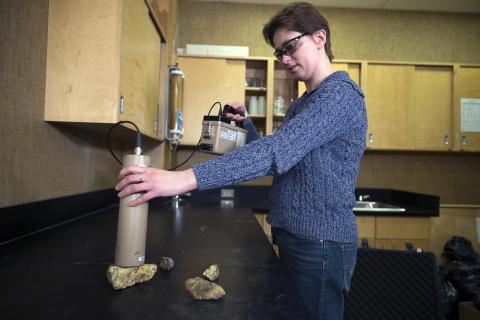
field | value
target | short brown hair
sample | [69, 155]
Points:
[299, 16]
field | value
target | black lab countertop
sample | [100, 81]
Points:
[59, 273]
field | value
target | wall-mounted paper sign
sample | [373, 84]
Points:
[470, 115]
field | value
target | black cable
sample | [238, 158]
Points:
[138, 138]
[189, 157]
[197, 147]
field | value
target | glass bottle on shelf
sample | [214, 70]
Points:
[279, 106]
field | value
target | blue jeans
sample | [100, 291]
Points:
[319, 270]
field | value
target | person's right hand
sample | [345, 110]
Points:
[237, 117]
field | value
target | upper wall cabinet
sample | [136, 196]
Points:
[409, 107]
[353, 70]
[103, 63]
[208, 80]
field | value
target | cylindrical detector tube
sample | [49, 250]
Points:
[176, 100]
[132, 223]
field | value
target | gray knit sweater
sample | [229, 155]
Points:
[314, 158]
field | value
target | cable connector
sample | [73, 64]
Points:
[138, 140]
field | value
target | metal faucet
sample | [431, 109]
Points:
[363, 197]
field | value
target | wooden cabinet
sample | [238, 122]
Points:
[366, 230]
[382, 232]
[353, 70]
[431, 107]
[395, 232]
[389, 124]
[103, 63]
[467, 86]
[208, 80]
[258, 97]
[409, 107]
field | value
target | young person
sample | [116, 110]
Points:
[314, 158]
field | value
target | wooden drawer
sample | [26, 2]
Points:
[399, 244]
[402, 228]
[366, 229]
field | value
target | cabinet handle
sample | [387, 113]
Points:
[122, 104]
[463, 141]
[155, 125]
[446, 139]
[370, 137]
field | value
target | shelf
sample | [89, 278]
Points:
[256, 89]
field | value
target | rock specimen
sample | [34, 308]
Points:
[166, 263]
[201, 289]
[120, 277]
[212, 273]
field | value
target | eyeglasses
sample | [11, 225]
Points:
[289, 47]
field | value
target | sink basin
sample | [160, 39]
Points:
[376, 206]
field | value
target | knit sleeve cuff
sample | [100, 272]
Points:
[203, 174]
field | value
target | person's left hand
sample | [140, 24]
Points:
[153, 183]
[239, 106]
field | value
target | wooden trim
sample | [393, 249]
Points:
[153, 15]
[460, 206]
[455, 111]
[185, 55]
[270, 90]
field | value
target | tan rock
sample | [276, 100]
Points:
[212, 273]
[201, 289]
[121, 278]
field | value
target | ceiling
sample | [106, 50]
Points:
[465, 6]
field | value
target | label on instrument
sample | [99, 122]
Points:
[241, 137]
[228, 135]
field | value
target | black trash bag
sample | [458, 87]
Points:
[466, 279]
[448, 295]
[463, 268]
[476, 302]
[460, 249]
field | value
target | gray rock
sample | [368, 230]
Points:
[166, 263]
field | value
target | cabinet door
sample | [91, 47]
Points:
[353, 70]
[431, 101]
[388, 105]
[208, 80]
[401, 244]
[82, 71]
[140, 67]
[366, 230]
[402, 228]
[467, 86]
[394, 232]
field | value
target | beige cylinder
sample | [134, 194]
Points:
[132, 223]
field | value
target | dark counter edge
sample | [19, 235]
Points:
[21, 220]
[24, 219]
